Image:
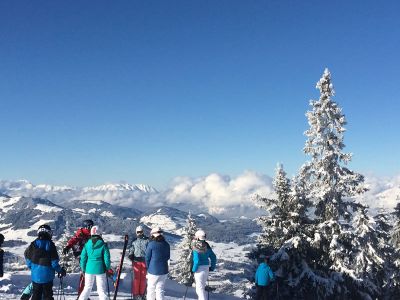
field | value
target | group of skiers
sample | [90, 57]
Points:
[149, 256]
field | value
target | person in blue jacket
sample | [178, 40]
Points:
[204, 260]
[156, 257]
[42, 259]
[264, 276]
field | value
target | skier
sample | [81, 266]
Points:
[95, 264]
[204, 261]
[157, 256]
[264, 276]
[137, 253]
[42, 259]
[1, 255]
[76, 243]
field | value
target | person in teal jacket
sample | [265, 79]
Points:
[95, 263]
[264, 276]
[204, 260]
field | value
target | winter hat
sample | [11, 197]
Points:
[156, 231]
[200, 234]
[95, 230]
[44, 231]
[139, 229]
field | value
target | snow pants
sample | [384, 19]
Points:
[155, 286]
[42, 291]
[101, 284]
[261, 293]
[200, 278]
[139, 278]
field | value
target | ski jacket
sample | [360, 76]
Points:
[95, 257]
[203, 255]
[42, 259]
[137, 251]
[264, 275]
[157, 256]
[1, 262]
[76, 243]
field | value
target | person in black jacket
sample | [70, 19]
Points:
[42, 259]
[1, 255]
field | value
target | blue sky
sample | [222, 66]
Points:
[144, 91]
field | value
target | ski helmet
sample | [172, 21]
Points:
[95, 230]
[1, 239]
[200, 235]
[156, 231]
[88, 224]
[44, 231]
[139, 229]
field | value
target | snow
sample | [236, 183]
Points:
[13, 283]
[6, 204]
[107, 214]
[47, 208]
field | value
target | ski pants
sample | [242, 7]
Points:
[200, 278]
[139, 278]
[42, 291]
[261, 292]
[101, 284]
[155, 286]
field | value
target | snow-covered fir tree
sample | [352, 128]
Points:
[68, 261]
[331, 186]
[182, 271]
[368, 256]
[285, 236]
[274, 223]
[395, 258]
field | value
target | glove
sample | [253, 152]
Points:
[110, 272]
[211, 269]
[62, 273]
[131, 257]
[65, 250]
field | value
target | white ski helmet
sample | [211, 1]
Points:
[200, 235]
[156, 231]
[95, 230]
[139, 229]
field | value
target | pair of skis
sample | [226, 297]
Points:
[119, 269]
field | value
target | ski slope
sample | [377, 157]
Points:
[11, 286]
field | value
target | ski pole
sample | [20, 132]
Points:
[108, 287]
[184, 297]
[208, 290]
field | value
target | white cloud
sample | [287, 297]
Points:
[215, 193]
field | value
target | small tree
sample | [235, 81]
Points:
[182, 271]
[68, 261]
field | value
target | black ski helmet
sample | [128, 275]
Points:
[45, 232]
[1, 239]
[88, 224]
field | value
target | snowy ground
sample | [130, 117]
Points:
[11, 286]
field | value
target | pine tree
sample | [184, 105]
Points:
[285, 229]
[395, 257]
[182, 271]
[274, 223]
[368, 258]
[68, 261]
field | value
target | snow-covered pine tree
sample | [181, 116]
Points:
[331, 186]
[273, 224]
[368, 256]
[182, 271]
[68, 261]
[285, 230]
[395, 258]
